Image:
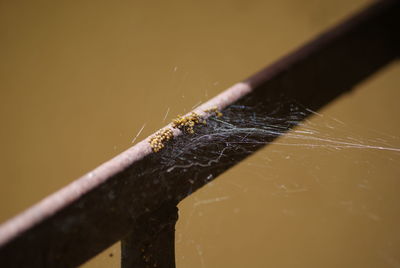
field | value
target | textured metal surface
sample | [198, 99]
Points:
[104, 206]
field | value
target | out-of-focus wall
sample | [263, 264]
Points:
[78, 80]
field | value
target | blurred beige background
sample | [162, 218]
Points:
[78, 80]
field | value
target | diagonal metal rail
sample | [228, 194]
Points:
[125, 199]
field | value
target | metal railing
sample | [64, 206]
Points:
[120, 201]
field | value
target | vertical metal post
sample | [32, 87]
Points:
[152, 242]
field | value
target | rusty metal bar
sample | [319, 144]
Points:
[108, 204]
